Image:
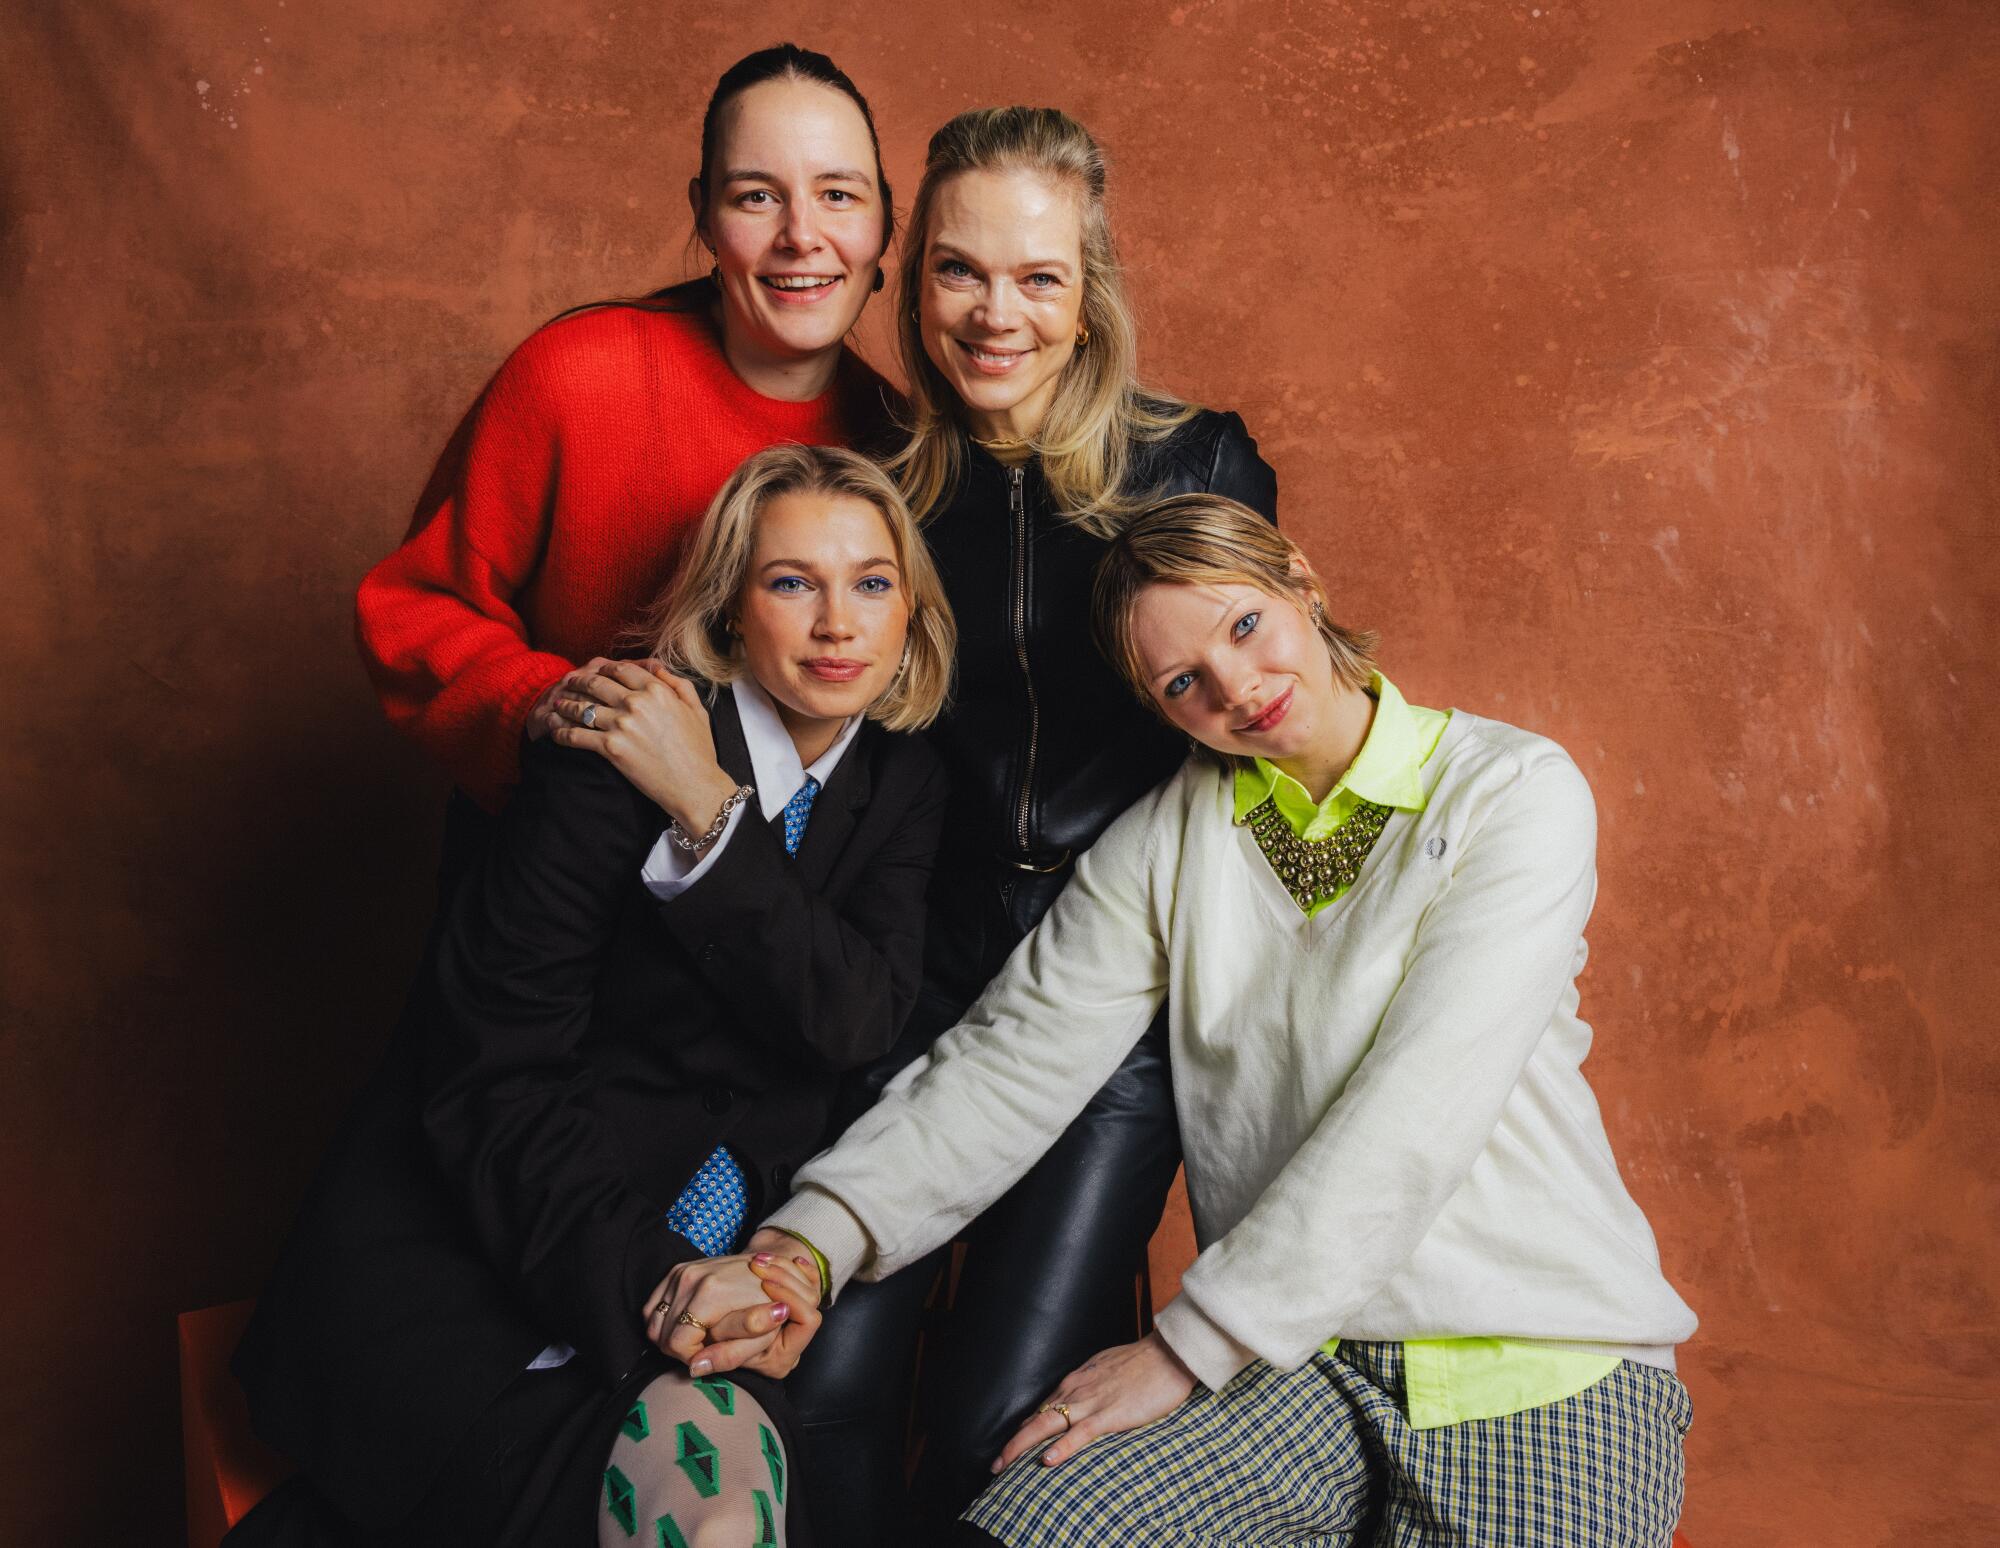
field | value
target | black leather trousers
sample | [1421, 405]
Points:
[1047, 1282]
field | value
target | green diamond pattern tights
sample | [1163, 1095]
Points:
[694, 1459]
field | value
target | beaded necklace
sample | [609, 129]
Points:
[1312, 868]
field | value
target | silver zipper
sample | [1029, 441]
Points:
[1019, 506]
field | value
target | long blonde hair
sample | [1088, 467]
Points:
[689, 628]
[1209, 540]
[1099, 409]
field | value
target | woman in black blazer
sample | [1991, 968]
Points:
[632, 1028]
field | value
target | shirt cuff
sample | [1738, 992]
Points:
[1204, 1348]
[830, 1225]
[670, 870]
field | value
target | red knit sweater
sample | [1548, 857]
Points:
[556, 515]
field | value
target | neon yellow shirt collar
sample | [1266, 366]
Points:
[1386, 771]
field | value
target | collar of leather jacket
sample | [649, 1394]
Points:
[1186, 460]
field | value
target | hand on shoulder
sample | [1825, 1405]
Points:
[653, 728]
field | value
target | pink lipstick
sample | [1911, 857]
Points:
[1273, 713]
[835, 669]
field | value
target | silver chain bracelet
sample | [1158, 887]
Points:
[695, 846]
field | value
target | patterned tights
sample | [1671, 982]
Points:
[697, 1464]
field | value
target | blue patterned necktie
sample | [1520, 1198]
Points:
[710, 1210]
[797, 810]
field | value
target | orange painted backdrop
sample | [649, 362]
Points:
[1630, 365]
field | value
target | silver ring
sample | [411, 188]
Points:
[589, 718]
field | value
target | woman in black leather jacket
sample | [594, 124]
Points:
[1031, 443]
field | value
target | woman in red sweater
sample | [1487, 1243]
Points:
[559, 508]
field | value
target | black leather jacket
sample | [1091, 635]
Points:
[1044, 742]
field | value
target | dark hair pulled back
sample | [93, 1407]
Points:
[788, 62]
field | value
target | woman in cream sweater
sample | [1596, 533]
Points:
[1426, 1311]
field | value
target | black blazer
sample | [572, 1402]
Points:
[576, 1049]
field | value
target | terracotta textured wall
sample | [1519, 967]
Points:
[1632, 366]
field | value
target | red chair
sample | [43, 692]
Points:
[228, 1468]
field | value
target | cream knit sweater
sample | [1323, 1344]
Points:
[1387, 1132]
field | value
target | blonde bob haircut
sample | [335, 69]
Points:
[1099, 409]
[689, 628]
[1207, 540]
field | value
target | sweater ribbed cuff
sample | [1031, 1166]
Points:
[484, 755]
[534, 674]
[832, 1228]
[1203, 1347]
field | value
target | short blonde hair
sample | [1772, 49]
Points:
[1100, 410]
[689, 628]
[1208, 540]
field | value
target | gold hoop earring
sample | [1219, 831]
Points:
[1082, 334]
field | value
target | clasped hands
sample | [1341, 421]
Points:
[757, 1310]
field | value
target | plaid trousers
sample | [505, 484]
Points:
[1324, 1457]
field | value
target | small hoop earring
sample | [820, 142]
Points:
[1082, 334]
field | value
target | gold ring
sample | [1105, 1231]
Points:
[1063, 1409]
[688, 1319]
